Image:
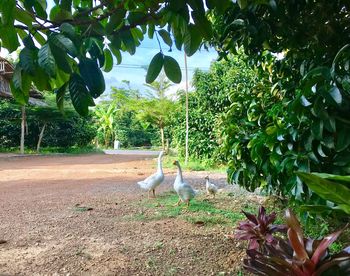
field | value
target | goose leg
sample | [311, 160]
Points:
[149, 194]
[154, 192]
[178, 203]
[188, 203]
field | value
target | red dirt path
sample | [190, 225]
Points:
[46, 235]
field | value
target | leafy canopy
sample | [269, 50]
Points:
[66, 48]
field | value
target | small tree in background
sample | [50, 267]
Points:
[156, 112]
[159, 87]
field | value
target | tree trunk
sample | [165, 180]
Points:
[41, 135]
[162, 136]
[23, 126]
[106, 140]
[167, 146]
[187, 127]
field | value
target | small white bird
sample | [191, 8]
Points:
[154, 180]
[182, 188]
[211, 188]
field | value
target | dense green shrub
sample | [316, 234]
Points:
[60, 131]
[131, 133]
[227, 87]
[305, 130]
[134, 119]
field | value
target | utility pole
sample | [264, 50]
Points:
[187, 128]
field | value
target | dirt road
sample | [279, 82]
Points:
[73, 215]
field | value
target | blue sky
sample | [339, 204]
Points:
[143, 56]
[144, 53]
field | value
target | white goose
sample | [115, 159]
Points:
[182, 188]
[154, 180]
[211, 188]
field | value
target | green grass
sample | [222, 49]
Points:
[201, 210]
[193, 165]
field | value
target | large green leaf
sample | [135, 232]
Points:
[9, 38]
[192, 40]
[66, 4]
[24, 17]
[317, 129]
[39, 38]
[27, 59]
[95, 48]
[314, 76]
[63, 43]
[328, 190]
[29, 43]
[47, 61]
[115, 20]
[92, 76]
[57, 14]
[18, 94]
[41, 80]
[317, 208]
[128, 41]
[108, 66]
[343, 139]
[166, 37]
[203, 25]
[342, 159]
[115, 52]
[155, 67]
[79, 94]
[135, 17]
[17, 77]
[172, 69]
[40, 7]
[337, 57]
[61, 59]
[344, 179]
[60, 96]
[176, 5]
[68, 30]
[151, 29]
[8, 8]
[20, 85]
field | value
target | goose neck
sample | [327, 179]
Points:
[179, 173]
[160, 169]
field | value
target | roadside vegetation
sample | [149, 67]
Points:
[273, 110]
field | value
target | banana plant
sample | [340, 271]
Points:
[105, 120]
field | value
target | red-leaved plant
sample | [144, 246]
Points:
[297, 255]
[259, 230]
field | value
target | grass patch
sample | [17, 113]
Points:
[82, 208]
[193, 165]
[201, 211]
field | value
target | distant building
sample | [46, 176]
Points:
[6, 73]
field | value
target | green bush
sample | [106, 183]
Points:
[60, 132]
